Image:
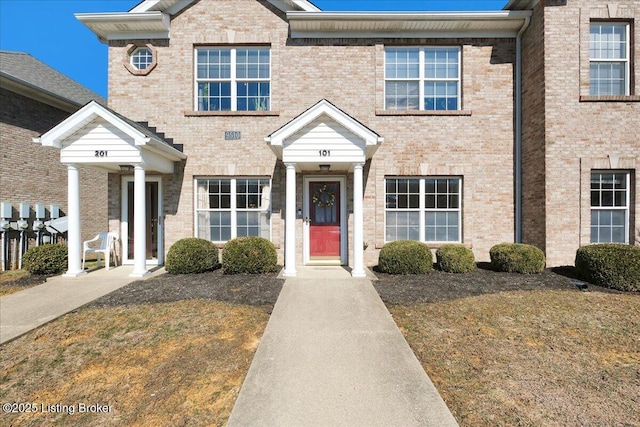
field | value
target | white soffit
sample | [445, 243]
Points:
[127, 25]
[500, 24]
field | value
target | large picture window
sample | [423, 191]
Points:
[227, 208]
[423, 209]
[233, 79]
[609, 58]
[610, 200]
[425, 78]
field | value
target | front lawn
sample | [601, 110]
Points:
[171, 350]
[526, 350]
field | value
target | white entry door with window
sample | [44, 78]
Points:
[153, 220]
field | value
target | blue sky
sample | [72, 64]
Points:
[48, 30]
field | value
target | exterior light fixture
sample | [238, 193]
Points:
[325, 168]
[126, 168]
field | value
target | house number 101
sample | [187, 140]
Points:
[324, 153]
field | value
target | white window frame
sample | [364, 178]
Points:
[134, 58]
[626, 61]
[422, 79]
[233, 80]
[625, 208]
[234, 204]
[422, 209]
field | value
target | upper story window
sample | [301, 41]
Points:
[609, 58]
[426, 78]
[233, 79]
[141, 58]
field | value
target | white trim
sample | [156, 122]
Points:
[493, 24]
[127, 25]
[344, 251]
[276, 139]
[124, 219]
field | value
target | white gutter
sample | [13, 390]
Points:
[518, 132]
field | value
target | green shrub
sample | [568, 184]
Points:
[192, 255]
[46, 259]
[405, 257]
[517, 258]
[455, 258]
[253, 255]
[615, 266]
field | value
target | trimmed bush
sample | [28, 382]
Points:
[405, 257]
[611, 265]
[252, 255]
[455, 258]
[192, 255]
[517, 258]
[46, 259]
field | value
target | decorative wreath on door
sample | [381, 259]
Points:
[324, 198]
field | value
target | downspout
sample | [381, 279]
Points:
[518, 131]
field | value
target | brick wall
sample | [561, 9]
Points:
[478, 146]
[581, 133]
[33, 174]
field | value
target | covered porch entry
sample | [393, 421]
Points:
[98, 137]
[326, 146]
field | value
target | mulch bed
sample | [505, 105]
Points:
[27, 281]
[246, 289]
[263, 290]
[439, 286]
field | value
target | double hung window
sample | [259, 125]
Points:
[233, 79]
[423, 209]
[227, 208]
[425, 78]
[609, 58]
[610, 200]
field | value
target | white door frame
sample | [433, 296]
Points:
[344, 253]
[124, 220]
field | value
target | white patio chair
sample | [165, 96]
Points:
[106, 245]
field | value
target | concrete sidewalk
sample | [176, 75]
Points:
[331, 355]
[33, 307]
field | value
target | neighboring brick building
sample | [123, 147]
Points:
[328, 132]
[35, 97]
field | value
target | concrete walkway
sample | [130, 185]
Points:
[331, 355]
[26, 310]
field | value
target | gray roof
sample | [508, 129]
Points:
[26, 69]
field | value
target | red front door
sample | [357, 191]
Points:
[324, 226]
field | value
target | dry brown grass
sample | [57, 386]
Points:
[532, 358]
[171, 364]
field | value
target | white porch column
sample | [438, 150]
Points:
[139, 223]
[74, 238]
[290, 223]
[358, 222]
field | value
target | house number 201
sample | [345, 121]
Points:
[324, 153]
[100, 153]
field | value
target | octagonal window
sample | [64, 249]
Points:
[141, 58]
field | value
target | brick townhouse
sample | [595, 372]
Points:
[332, 133]
[33, 98]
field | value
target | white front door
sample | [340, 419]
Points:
[153, 220]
